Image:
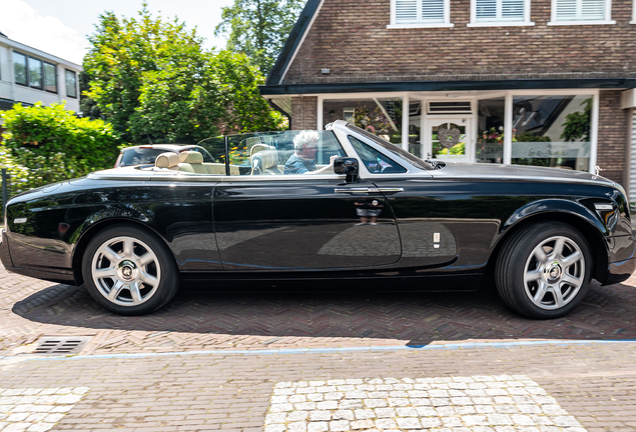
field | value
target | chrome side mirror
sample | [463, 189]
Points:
[347, 166]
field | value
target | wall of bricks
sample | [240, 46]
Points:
[304, 112]
[612, 136]
[351, 39]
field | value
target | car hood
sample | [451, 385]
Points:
[516, 172]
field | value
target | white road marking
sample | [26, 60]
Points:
[36, 409]
[493, 403]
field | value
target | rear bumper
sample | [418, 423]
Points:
[5, 255]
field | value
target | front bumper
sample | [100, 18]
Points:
[5, 255]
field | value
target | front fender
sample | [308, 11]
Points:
[556, 205]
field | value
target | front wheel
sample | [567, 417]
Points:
[544, 270]
[128, 271]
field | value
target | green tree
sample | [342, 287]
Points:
[46, 144]
[577, 124]
[259, 28]
[154, 82]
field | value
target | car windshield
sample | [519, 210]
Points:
[414, 160]
[140, 156]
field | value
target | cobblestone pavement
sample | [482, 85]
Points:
[517, 389]
[413, 379]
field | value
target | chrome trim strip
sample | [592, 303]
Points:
[19, 220]
[355, 190]
[604, 207]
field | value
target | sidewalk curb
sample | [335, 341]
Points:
[447, 346]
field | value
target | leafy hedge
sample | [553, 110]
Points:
[48, 144]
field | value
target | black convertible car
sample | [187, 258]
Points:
[340, 203]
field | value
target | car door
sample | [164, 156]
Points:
[281, 222]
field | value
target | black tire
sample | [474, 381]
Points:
[564, 274]
[140, 278]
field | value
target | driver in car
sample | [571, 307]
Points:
[303, 160]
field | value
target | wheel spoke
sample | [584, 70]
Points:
[557, 252]
[533, 275]
[145, 259]
[115, 290]
[147, 278]
[109, 272]
[571, 280]
[540, 255]
[135, 293]
[128, 248]
[538, 296]
[571, 259]
[558, 295]
[112, 256]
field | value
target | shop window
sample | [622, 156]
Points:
[581, 12]
[20, 68]
[71, 83]
[35, 73]
[490, 130]
[552, 131]
[420, 13]
[500, 12]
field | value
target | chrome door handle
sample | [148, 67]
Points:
[368, 190]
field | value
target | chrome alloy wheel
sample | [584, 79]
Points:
[126, 271]
[554, 273]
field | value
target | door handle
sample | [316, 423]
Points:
[359, 190]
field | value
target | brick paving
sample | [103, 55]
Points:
[592, 384]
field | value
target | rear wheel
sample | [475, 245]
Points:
[544, 270]
[128, 271]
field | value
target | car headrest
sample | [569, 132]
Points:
[191, 157]
[260, 147]
[167, 160]
[269, 158]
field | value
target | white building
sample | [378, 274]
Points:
[29, 75]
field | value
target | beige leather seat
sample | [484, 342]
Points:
[167, 160]
[264, 160]
[192, 161]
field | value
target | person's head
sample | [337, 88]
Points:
[306, 143]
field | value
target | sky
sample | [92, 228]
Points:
[62, 27]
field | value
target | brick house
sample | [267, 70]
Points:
[458, 75]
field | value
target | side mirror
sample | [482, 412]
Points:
[347, 166]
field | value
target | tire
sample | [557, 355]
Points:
[543, 271]
[128, 271]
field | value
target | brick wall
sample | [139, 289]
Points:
[304, 113]
[612, 136]
[350, 38]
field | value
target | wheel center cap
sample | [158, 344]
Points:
[553, 272]
[127, 270]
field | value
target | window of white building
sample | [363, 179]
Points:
[420, 13]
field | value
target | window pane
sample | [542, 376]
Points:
[20, 68]
[279, 153]
[50, 78]
[512, 10]
[552, 131]
[405, 11]
[490, 131]
[432, 11]
[578, 10]
[486, 10]
[35, 73]
[71, 82]
[375, 161]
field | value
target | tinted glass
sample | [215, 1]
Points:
[50, 78]
[207, 157]
[20, 68]
[376, 162]
[35, 73]
[398, 151]
[71, 82]
[140, 156]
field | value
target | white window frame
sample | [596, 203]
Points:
[633, 21]
[444, 24]
[607, 21]
[473, 17]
